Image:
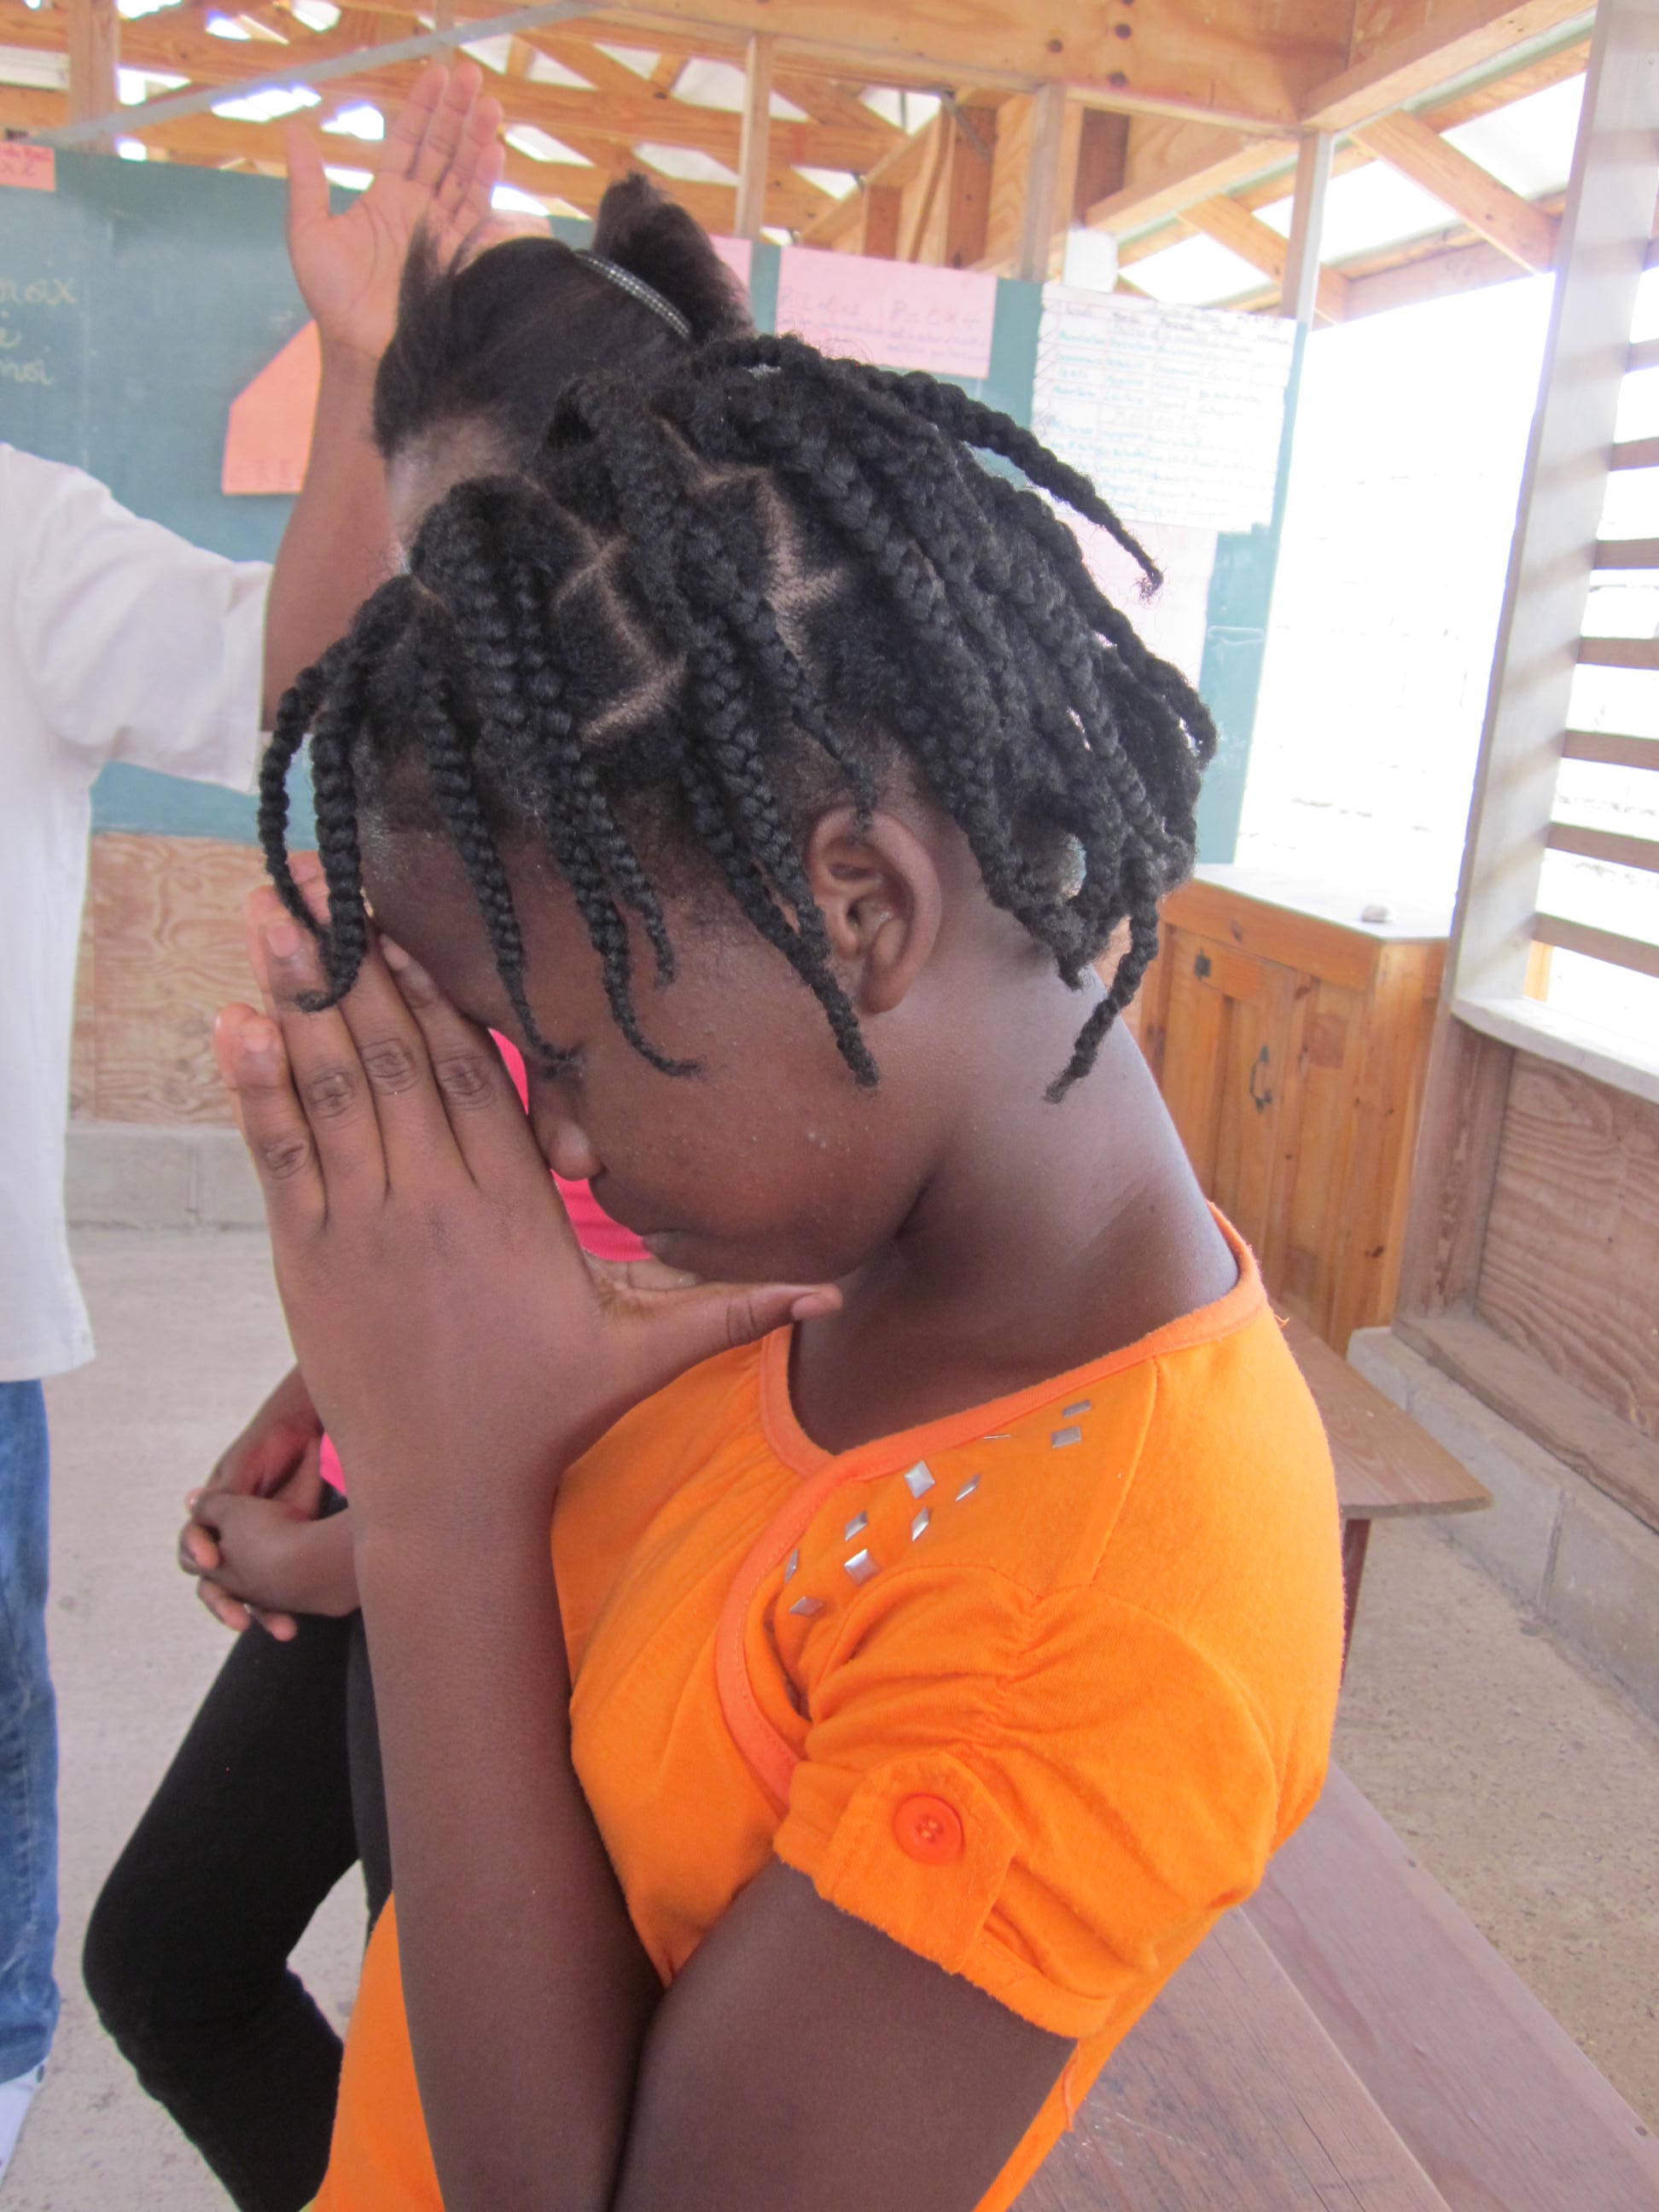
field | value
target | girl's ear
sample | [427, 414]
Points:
[881, 902]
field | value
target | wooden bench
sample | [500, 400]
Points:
[1349, 2042]
[1387, 1468]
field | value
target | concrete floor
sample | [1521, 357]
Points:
[1526, 1785]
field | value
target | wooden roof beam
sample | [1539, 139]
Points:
[94, 36]
[150, 41]
[1452, 42]
[1233, 160]
[895, 169]
[1230, 163]
[212, 140]
[1506, 221]
[1166, 61]
[1253, 241]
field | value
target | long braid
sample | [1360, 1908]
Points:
[708, 603]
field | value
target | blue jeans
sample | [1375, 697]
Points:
[29, 1741]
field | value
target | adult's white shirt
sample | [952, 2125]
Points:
[118, 641]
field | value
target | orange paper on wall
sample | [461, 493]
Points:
[269, 431]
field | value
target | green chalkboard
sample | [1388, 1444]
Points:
[144, 296]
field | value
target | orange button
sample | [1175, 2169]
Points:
[928, 1829]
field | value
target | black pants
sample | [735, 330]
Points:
[274, 1792]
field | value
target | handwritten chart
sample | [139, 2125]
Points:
[892, 313]
[1176, 413]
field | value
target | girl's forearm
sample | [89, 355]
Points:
[527, 1993]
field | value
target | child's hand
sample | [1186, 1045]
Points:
[277, 1456]
[270, 1564]
[458, 1346]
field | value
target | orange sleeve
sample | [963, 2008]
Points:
[1051, 1796]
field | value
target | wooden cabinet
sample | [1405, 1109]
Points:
[1290, 1043]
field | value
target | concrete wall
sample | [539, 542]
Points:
[1585, 1565]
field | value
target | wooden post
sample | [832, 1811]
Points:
[756, 139]
[1603, 245]
[1313, 174]
[94, 30]
[1042, 209]
[968, 188]
[879, 237]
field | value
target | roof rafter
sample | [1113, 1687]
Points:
[1506, 221]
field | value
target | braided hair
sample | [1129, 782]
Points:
[710, 604]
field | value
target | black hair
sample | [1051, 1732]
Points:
[709, 604]
[493, 340]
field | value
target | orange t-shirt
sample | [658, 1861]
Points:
[1036, 1688]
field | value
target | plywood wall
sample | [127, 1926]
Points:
[1571, 1268]
[161, 953]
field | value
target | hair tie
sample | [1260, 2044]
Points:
[637, 288]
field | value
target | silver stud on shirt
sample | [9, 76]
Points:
[1071, 1413]
[967, 1488]
[791, 1564]
[1062, 1436]
[862, 1566]
[855, 1527]
[806, 1607]
[918, 1480]
[919, 1525]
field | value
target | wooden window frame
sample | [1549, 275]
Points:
[1606, 233]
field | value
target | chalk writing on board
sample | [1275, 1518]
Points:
[33, 167]
[38, 292]
[893, 312]
[25, 350]
[1176, 413]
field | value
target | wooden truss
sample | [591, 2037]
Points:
[1149, 119]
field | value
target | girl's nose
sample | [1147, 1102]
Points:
[565, 1144]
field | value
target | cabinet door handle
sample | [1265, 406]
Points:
[1263, 1098]
[1201, 964]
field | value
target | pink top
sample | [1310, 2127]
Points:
[596, 1231]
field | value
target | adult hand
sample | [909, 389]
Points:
[459, 1346]
[275, 1456]
[439, 163]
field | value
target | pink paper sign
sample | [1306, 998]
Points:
[33, 168]
[895, 313]
[737, 254]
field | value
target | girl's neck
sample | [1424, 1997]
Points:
[1045, 1237]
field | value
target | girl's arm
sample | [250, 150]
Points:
[462, 1354]
[801, 2059]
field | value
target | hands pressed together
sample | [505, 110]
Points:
[457, 1342]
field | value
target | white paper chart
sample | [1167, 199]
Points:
[1174, 412]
